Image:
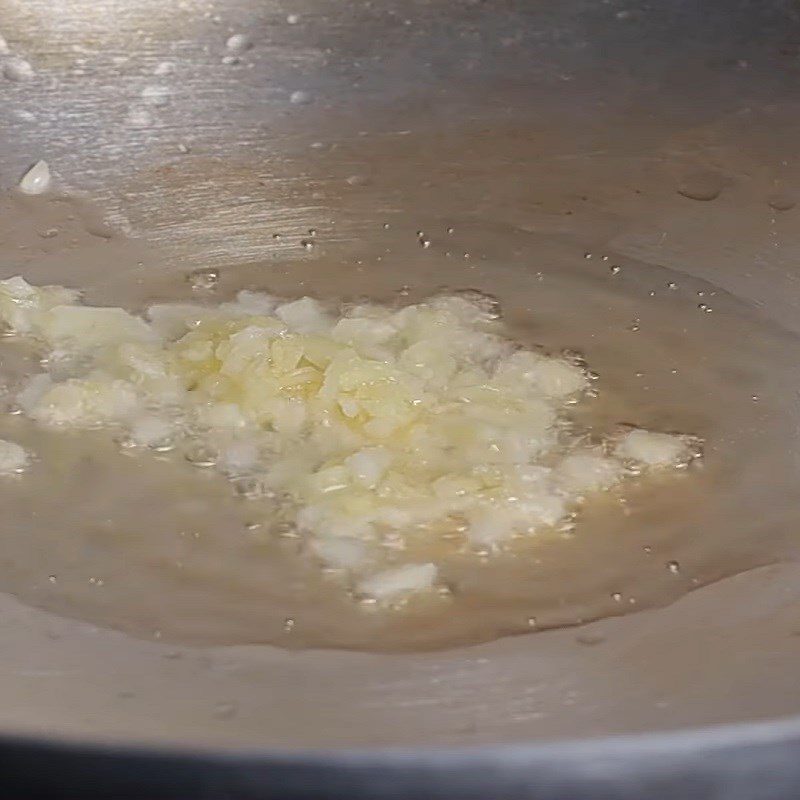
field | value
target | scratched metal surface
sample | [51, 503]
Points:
[388, 90]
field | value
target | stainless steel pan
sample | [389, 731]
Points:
[578, 121]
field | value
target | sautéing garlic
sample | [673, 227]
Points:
[377, 424]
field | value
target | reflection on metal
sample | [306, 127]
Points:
[199, 146]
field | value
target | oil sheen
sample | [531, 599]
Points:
[146, 543]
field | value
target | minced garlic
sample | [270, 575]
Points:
[378, 424]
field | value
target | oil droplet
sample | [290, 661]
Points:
[451, 231]
[616, 597]
[277, 237]
[615, 269]
[587, 256]
[781, 202]
[300, 98]
[704, 186]
[705, 308]
[674, 567]
[532, 622]
[424, 243]
[225, 710]
[203, 279]
[36, 180]
[18, 70]
[386, 226]
[239, 42]
[755, 398]
[672, 285]
[307, 244]
[590, 638]
[52, 578]
[288, 625]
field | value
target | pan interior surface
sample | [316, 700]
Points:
[488, 119]
[148, 544]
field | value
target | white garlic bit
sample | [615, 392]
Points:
[13, 458]
[37, 179]
[654, 449]
[18, 70]
[399, 582]
[239, 42]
